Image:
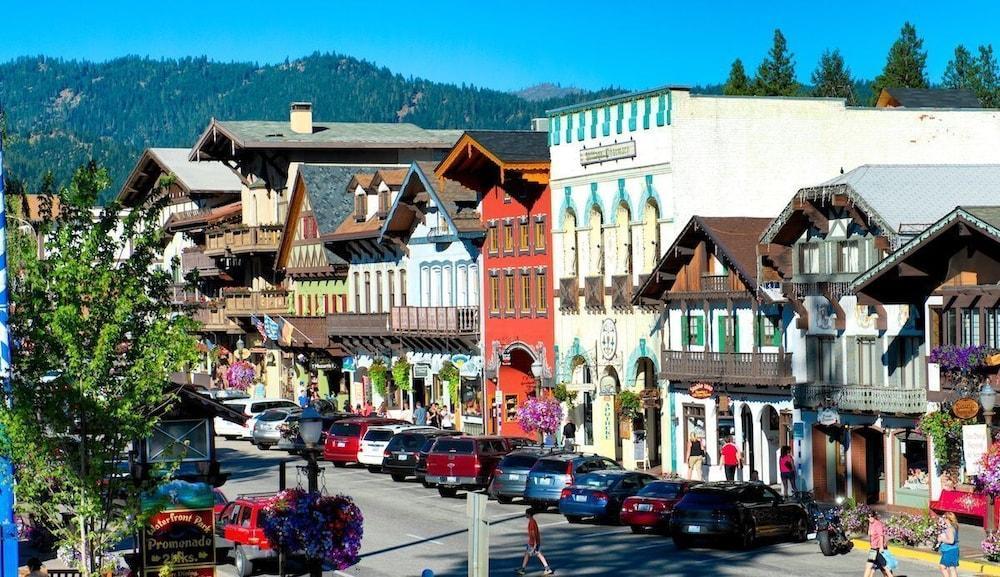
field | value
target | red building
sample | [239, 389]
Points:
[510, 171]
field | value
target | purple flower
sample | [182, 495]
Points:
[991, 547]
[327, 528]
[240, 375]
[543, 415]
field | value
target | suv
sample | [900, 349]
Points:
[343, 440]
[551, 474]
[296, 445]
[266, 429]
[464, 462]
[240, 524]
[251, 408]
[404, 452]
[511, 475]
[375, 441]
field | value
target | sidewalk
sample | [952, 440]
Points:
[970, 537]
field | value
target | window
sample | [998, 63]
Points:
[949, 332]
[378, 291]
[383, 202]
[463, 286]
[508, 237]
[850, 257]
[447, 285]
[309, 227]
[540, 293]
[368, 292]
[494, 242]
[494, 294]
[539, 235]
[392, 289]
[425, 286]
[693, 330]
[506, 197]
[357, 292]
[768, 331]
[359, 207]
[970, 327]
[869, 366]
[437, 285]
[809, 258]
[903, 359]
[402, 288]
[474, 286]
[525, 292]
[824, 365]
[912, 474]
[508, 291]
[524, 236]
[993, 328]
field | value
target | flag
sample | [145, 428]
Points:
[271, 328]
[5, 357]
[286, 332]
[256, 322]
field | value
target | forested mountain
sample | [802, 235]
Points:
[60, 113]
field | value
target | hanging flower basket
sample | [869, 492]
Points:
[543, 415]
[321, 527]
[240, 375]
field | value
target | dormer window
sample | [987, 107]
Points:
[359, 207]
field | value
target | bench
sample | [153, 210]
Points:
[965, 504]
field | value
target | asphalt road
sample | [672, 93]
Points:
[409, 528]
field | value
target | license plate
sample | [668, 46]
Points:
[403, 457]
[513, 477]
[643, 507]
[545, 481]
[580, 498]
[452, 479]
[341, 444]
[694, 529]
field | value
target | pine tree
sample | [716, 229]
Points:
[737, 84]
[905, 65]
[989, 77]
[776, 73]
[961, 71]
[832, 78]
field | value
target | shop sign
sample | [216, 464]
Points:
[650, 398]
[607, 386]
[181, 531]
[828, 417]
[607, 153]
[348, 364]
[975, 441]
[701, 390]
[609, 339]
[965, 408]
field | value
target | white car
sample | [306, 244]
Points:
[376, 439]
[252, 408]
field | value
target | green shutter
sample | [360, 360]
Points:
[580, 134]
[721, 321]
[569, 128]
[700, 331]
[606, 127]
[593, 123]
[661, 110]
[736, 333]
[633, 115]
[556, 134]
[685, 330]
[776, 338]
[621, 117]
[758, 330]
[646, 112]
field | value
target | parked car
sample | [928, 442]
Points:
[266, 432]
[521, 443]
[420, 471]
[550, 475]
[220, 501]
[296, 445]
[373, 444]
[404, 452]
[600, 494]
[239, 525]
[511, 475]
[252, 408]
[223, 394]
[736, 513]
[650, 508]
[343, 439]
[464, 462]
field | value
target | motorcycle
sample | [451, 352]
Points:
[830, 532]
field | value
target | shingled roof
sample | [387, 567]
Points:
[514, 146]
[326, 185]
[927, 98]
[278, 134]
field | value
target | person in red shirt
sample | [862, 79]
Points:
[534, 548]
[730, 458]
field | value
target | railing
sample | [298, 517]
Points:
[246, 302]
[621, 292]
[214, 319]
[195, 258]
[837, 289]
[184, 295]
[715, 283]
[593, 292]
[737, 368]
[863, 398]
[357, 324]
[435, 321]
[569, 294]
[245, 239]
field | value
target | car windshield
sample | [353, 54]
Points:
[220, 499]
[345, 429]
[550, 466]
[405, 443]
[379, 435]
[460, 446]
[515, 461]
[596, 481]
[709, 496]
[273, 416]
[661, 490]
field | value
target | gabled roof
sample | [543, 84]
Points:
[735, 240]
[928, 98]
[362, 179]
[459, 204]
[514, 146]
[193, 177]
[484, 158]
[392, 177]
[188, 220]
[903, 199]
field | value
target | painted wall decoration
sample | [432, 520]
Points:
[181, 529]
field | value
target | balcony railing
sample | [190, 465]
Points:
[241, 240]
[593, 292]
[621, 292]
[244, 302]
[569, 294]
[184, 295]
[195, 258]
[435, 321]
[735, 368]
[715, 283]
[358, 324]
[862, 398]
[214, 320]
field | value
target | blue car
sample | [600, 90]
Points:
[600, 495]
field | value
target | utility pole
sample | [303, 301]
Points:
[479, 535]
[8, 529]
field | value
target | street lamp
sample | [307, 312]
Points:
[988, 400]
[311, 429]
[536, 371]
[239, 343]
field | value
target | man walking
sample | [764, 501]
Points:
[419, 414]
[569, 435]
[730, 458]
[534, 548]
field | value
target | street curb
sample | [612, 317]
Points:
[905, 553]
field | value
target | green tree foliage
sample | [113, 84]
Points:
[961, 71]
[989, 77]
[94, 343]
[905, 65]
[776, 73]
[977, 73]
[738, 84]
[61, 113]
[832, 78]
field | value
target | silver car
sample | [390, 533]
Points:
[266, 429]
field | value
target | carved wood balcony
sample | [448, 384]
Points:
[243, 240]
[862, 398]
[569, 294]
[621, 292]
[194, 258]
[593, 292]
[435, 321]
[246, 302]
[358, 324]
[214, 319]
[734, 368]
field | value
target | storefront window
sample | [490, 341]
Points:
[588, 418]
[472, 398]
[912, 473]
[694, 421]
[510, 408]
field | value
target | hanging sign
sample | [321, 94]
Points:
[181, 529]
[701, 390]
[607, 152]
[828, 417]
[975, 441]
[965, 408]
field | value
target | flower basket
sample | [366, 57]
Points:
[240, 375]
[543, 415]
[321, 527]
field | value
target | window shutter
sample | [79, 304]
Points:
[838, 362]
[855, 370]
[878, 360]
[812, 356]
[621, 117]
[580, 135]
[646, 112]
[776, 339]
[661, 106]
[593, 123]
[685, 330]
[557, 134]
[700, 334]
[758, 331]
[569, 128]
[606, 127]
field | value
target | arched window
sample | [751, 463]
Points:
[425, 286]
[623, 244]
[357, 292]
[368, 292]
[596, 242]
[474, 285]
[446, 286]
[436, 286]
[570, 252]
[462, 284]
[650, 236]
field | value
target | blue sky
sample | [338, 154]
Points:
[504, 45]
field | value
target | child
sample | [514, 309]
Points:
[534, 548]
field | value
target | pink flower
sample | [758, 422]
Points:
[543, 415]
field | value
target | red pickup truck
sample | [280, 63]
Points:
[240, 524]
[343, 440]
[464, 462]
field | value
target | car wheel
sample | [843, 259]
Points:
[339, 464]
[801, 532]
[427, 484]
[244, 567]
[682, 542]
[374, 469]
[504, 500]
[447, 492]
[573, 519]
[263, 447]
[749, 536]
[638, 529]
[398, 477]
[229, 437]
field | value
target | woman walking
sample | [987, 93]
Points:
[949, 546]
[695, 457]
[786, 465]
[876, 536]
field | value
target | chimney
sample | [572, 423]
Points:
[302, 117]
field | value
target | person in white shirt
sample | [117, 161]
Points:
[446, 418]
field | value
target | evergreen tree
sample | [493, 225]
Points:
[989, 78]
[905, 64]
[776, 73]
[961, 71]
[832, 78]
[737, 84]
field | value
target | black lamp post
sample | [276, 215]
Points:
[988, 400]
[311, 429]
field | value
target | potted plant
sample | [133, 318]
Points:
[240, 375]
[378, 374]
[541, 415]
[448, 373]
[401, 374]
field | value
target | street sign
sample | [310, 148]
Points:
[975, 442]
[965, 408]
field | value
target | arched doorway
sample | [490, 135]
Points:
[645, 380]
[749, 448]
[583, 410]
[623, 242]
[610, 381]
[867, 465]
[597, 253]
[571, 262]
[650, 235]
[516, 383]
[769, 439]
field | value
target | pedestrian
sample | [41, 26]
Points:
[369, 408]
[347, 405]
[786, 466]
[730, 458]
[447, 421]
[405, 414]
[948, 540]
[569, 435]
[420, 414]
[383, 409]
[303, 395]
[534, 548]
[434, 417]
[35, 568]
[876, 537]
[695, 456]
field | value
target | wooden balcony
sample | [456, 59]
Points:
[734, 368]
[593, 292]
[435, 321]
[621, 292]
[358, 324]
[569, 294]
[717, 283]
[862, 398]
[243, 240]
[246, 302]
[194, 258]
[214, 319]
[184, 296]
